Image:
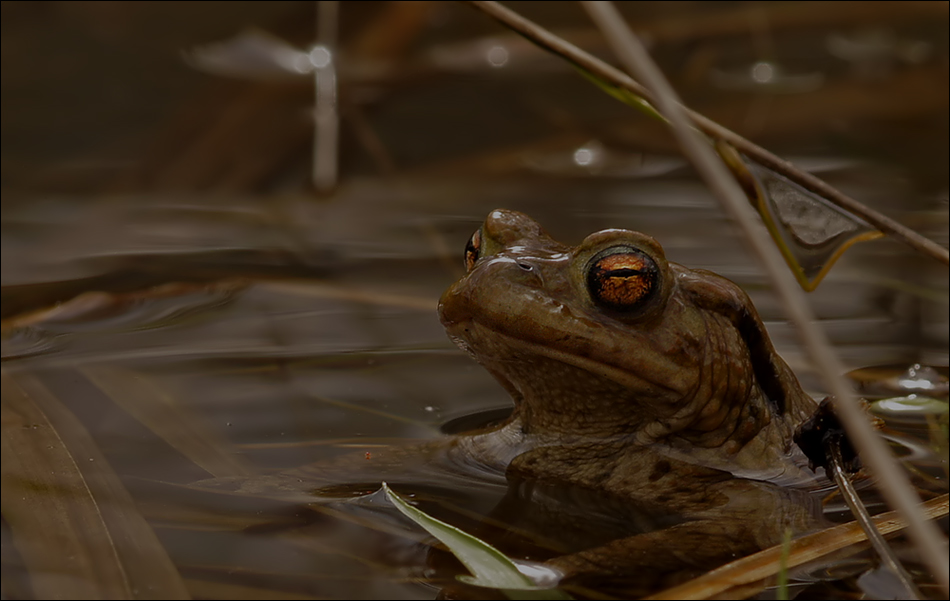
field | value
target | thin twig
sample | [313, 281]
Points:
[861, 516]
[892, 481]
[545, 39]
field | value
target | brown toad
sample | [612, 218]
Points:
[634, 377]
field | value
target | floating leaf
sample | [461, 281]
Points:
[491, 567]
[912, 404]
[810, 231]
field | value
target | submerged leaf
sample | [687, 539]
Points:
[158, 410]
[491, 567]
[74, 524]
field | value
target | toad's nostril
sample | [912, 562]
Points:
[526, 266]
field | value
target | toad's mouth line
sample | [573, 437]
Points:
[603, 370]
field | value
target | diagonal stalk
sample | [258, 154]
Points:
[860, 513]
[891, 479]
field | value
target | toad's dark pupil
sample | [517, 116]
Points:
[622, 279]
[472, 249]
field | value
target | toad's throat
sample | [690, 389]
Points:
[563, 393]
[519, 349]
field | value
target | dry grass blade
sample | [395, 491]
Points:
[576, 56]
[73, 522]
[892, 480]
[753, 573]
[99, 302]
[142, 398]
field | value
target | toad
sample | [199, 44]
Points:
[638, 378]
[643, 390]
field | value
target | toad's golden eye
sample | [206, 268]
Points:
[622, 278]
[473, 249]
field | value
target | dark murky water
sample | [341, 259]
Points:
[177, 305]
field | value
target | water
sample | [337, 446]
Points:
[179, 307]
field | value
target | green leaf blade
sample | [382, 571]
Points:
[491, 568]
[622, 94]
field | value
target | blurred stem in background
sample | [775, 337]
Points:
[326, 116]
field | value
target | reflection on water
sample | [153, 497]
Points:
[198, 316]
